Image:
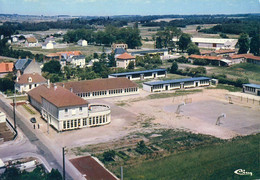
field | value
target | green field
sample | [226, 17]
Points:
[210, 162]
[251, 71]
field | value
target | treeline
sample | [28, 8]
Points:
[6, 50]
[111, 34]
[237, 27]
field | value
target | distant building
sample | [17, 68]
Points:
[77, 61]
[27, 66]
[91, 62]
[47, 45]
[31, 42]
[6, 67]
[101, 88]
[119, 51]
[140, 75]
[64, 110]
[2, 117]
[119, 45]
[158, 86]
[27, 82]
[252, 89]
[220, 52]
[123, 60]
[82, 42]
[161, 52]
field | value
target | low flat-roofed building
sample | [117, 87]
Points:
[252, 89]
[140, 75]
[175, 84]
[100, 88]
[63, 110]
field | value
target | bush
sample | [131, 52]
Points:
[142, 148]
[174, 67]
[202, 62]
[109, 155]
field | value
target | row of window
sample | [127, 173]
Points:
[250, 89]
[116, 91]
[190, 83]
[175, 85]
[103, 93]
[160, 86]
[204, 82]
[76, 123]
[131, 90]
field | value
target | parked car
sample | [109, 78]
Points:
[33, 120]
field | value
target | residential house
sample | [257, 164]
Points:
[63, 110]
[82, 42]
[6, 67]
[119, 45]
[77, 61]
[119, 51]
[27, 82]
[27, 66]
[47, 45]
[31, 42]
[123, 60]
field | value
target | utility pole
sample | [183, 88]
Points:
[122, 176]
[63, 155]
[14, 104]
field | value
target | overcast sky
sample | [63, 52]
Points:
[127, 7]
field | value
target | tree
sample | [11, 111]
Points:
[131, 65]
[109, 155]
[184, 41]
[198, 28]
[111, 60]
[255, 45]
[174, 67]
[54, 175]
[243, 43]
[158, 42]
[52, 67]
[193, 49]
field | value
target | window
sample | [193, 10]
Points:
[97, 120]
[84, 121]
[103, 119]
[100, 119]
[30, 86]
[78, 122]
[73, 112]
[66, 111]
[75, 123]
[68, 124]
[71, 123]
[90, 121]
[64, 124]
[80, 109]
[94, 120]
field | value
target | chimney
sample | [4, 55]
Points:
[55, 87]
[71, 89]
[63, 85]
[19, 57]
[33, 59]
[48, 84]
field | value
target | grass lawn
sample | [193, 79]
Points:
[251, 71]
[227, 87]
[210, 162]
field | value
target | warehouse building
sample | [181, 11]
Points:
[140, 75]
[101, 88]
[174, 84]
[251, 89]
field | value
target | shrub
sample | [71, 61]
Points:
[109, 155]
[142, 148]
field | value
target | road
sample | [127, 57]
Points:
[36, 143]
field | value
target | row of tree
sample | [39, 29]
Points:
[112, 34]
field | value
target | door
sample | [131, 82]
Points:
[258, 93]
[154, 75]
[197, 84]
[166, 87]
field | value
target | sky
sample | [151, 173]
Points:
[127, 7]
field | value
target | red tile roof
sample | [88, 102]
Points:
[68, 53]
[59, 96]
[194, 56]
[125, 56]
[36, 78]
[99, 85]
[6, 67]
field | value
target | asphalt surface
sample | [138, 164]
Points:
[35, 145]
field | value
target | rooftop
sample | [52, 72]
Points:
[152, 83]
[31, 40]
[149, 51]
[99, 85]
[119, 51]
[35, 78]
[205, 57]
[257, 86]
[21, 64]
[6, 67]
[57, 95]
[137, 72]
[125, 56]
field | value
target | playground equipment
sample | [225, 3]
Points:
[179, 108]
[223, 115]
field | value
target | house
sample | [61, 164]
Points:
[27, 82]
[140, 75]
[63, 110]
[158, 86]
[77, 61]
[119, 51]
[91, 62]
[48, 45]
[82, 42]
[27, 66]
[123, 60]
[252, 89]
[31, 42]
[119, 45]
[52, 56]
[101, 88]
[6, 67]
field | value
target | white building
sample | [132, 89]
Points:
[47, 45]
[174, 84]
[82, 42]
[119, 45]
[123, 60]
[31, 42]
[77, 61]
[64, 110]
[91, 62]
[27, 82]
[140, 75]
[251, 89]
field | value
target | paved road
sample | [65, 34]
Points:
[37, 144]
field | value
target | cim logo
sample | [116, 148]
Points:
[243, 172]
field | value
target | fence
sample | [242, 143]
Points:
[243, 100]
